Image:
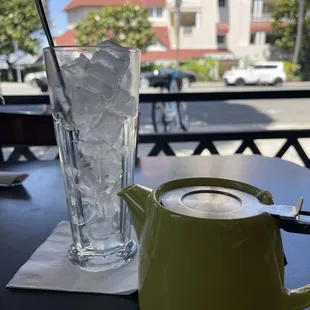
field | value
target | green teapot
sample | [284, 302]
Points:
[213, 244]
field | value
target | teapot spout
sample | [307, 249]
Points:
[137, 200]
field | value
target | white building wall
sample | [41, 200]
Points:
[238, 37]
[78, 14]
[237, 13]
[224, 13]
[203, 34]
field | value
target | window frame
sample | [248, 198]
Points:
[154, 11]
[217, 39]
[222, 3]
[161, 11]
[253, 35]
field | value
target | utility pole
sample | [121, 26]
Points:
[177, 29]
[17, 66]
[300, 24]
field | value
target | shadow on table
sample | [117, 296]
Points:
[15, 192]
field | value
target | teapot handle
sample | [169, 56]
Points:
[297, 299]
[300, 224]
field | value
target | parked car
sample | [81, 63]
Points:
[34, 77]
[263, 73]
[160, 78]
[42, 84]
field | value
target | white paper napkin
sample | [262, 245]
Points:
[12, 178]
[49, 269]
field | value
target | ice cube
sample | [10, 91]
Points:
[103, 161]
[106, 205]
[85, 101]
[99, 149]
[124, 105]
[89, 210]
[126, 82]
[118, 51]
[96, 86]
[99, 228]
[82, 123]
[110, 80]
[75, 69]
[88, 183]
[110, 61]
[106, 127]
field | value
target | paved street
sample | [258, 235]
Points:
[222, 116]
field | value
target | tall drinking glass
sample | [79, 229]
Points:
[94, 97]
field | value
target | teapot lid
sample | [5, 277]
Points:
[216, 202]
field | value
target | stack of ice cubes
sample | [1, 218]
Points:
[100, 103]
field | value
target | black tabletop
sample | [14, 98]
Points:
[28, 214]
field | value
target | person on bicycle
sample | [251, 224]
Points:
[171, 107]
[175, 82]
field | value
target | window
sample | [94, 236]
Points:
[252, 38]
[159, 12]
[220, 39]
[270, 67]
[187, 30]
[258, 67]
[222, 3]
[155, 12]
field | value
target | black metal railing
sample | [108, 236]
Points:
[206, 141]
[161, 143]
[185, 96]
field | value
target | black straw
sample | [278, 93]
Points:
[49, 37]
[44, 22]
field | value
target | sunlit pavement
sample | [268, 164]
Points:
[216, 116]
[18, 89]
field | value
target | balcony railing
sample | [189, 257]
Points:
[19, 131]
[263, 17]
[187, 30]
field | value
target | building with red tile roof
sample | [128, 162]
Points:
[206, 27]
[100, 3]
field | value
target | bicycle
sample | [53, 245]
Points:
[167, 116]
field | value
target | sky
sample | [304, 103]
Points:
[58, 16]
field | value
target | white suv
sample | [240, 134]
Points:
[32, 78]
[266, 73]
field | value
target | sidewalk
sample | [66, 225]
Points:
[7, 88]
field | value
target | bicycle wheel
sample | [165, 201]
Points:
[183, 116]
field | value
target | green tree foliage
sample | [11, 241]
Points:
[19, 21]
[291, 71]
[285, 16]
[205, 69]
[127, 25]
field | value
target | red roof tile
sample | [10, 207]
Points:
[261, 26]
[222, 28]
[162, 36]
[184, 54]
[67, 38]
[79, 3]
